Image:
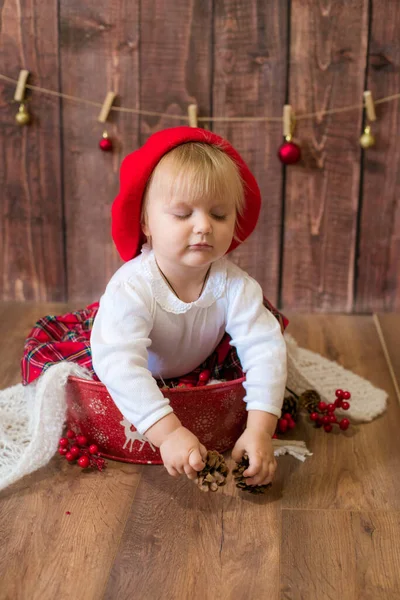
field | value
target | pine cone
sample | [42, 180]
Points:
[241, 481]
[214, 473]
[290, 406]
[309, 399]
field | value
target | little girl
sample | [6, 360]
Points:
[186, 200]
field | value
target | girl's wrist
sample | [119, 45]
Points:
[260, 420]
[158, 433]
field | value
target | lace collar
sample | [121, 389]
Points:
[165, 297]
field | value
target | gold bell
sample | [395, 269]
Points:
[22, 117]
[367, 139]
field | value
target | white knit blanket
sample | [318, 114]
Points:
[32, 417]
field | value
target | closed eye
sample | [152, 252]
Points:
[218, 217]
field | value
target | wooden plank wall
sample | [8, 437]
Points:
[328, 238]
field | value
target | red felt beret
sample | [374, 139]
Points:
[136, 169]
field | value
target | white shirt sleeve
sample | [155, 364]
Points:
[119, 342]
[260, 345]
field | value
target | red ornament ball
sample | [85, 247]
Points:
[81, 440]
[346, 396]
[93, 449]
[70, 457]
[105, 144]
[331, 407]
[70, 434]
[291, 424]
[63, 442]
[339, 393]
[289, 153]
[314, 416]
[322, 406]
[83, 462]
[345, 405]
[344, 424]
[332, 418]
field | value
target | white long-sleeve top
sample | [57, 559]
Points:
[142, 332]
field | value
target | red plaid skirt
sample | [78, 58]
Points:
[67, 337]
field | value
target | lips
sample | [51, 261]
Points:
[200, 246]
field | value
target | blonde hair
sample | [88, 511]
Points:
[200, 170]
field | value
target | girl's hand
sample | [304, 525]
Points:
[182, 453]
[258, 445]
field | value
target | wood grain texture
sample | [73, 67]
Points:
[328, 527]
[250, 54]
[182, 543]
[389, 324]
[45, 553]
[175, 61]
[31, 221]
[334, 554]
[99, 49]
[378, 284]
[363, 459]
[328, 58]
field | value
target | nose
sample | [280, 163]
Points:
[202, 224]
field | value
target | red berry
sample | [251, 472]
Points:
[70, 457]
[81, 440]
[63, 442]
[314, 416]
[338, 403]
[328, 428]
[318, 423]
[75, 451]
[331, 407]
[346, 396]
[274, 437]
[282, 425]
[287, 416]
[70, 434]
[332, 418]
[93, 449]
[345, 405]
[325, 420]
[62, 450]
[339, 393]
[83, 462]
[291, 424]
[344, 424]
[204, 376]
[181, 385]
[322, 406]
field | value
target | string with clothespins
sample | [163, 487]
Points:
[289, 152]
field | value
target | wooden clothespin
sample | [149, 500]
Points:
[367, 139]
[105, 142]
[288, 122]
[369, 106]
[192, 115]
[22, 117]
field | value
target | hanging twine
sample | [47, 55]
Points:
[183, 118]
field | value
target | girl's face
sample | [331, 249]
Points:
[189, 233]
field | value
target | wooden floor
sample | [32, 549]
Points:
[329, 528]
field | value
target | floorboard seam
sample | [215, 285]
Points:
[387, 355]
[117, 546]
